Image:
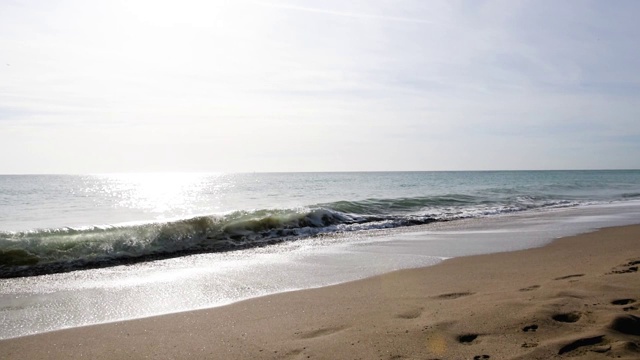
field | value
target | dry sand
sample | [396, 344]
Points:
[577, 297]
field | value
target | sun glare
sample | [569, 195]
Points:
[161, 193]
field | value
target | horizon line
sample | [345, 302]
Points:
[306, 172]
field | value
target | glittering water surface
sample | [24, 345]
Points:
[43, 303]
[52, 224]
[333, 227]
[30, 202]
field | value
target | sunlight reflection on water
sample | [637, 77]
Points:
[160, 193]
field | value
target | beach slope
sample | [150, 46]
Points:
[576, 297]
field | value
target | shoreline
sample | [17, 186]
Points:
[546, 302]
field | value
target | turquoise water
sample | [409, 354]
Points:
[57, 223]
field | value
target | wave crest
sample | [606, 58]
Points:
[57, 250]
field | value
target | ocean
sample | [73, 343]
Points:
[55, 223]
[84, 249]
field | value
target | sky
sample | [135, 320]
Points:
[283, 85]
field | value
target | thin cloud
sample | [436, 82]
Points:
[346, 14]
[278, 85]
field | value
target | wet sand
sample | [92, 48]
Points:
[576, 297]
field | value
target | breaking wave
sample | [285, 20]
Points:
[47, 251]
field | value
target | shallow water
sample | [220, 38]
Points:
[57, 223]
[37, 304]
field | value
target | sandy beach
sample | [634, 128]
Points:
[576, 297]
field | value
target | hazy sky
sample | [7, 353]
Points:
[119, 86]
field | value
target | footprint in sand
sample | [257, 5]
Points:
[630, 267]
[581, 343]
[570, 317]
[626, 324]
[467, 338]
[294, 352]
[569, 276]
[623, 301]
[450, 296]
[530, 288]
[321, 332]
[628, 270]
[409, 314]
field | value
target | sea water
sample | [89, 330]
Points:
[112, 247]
